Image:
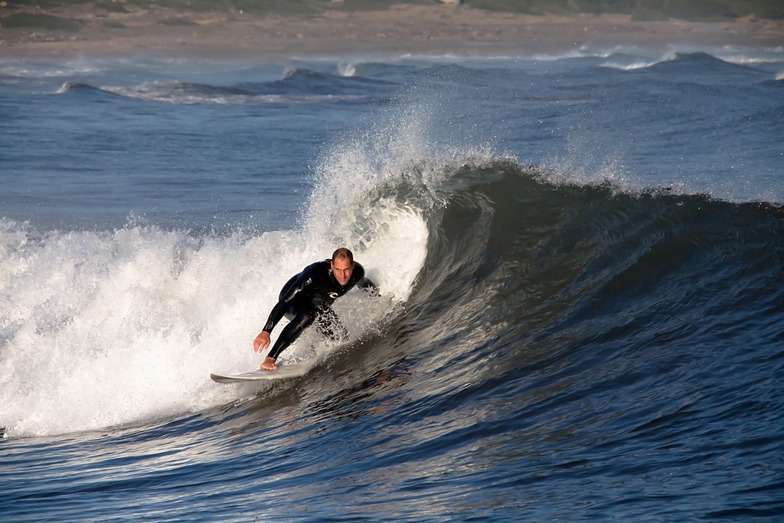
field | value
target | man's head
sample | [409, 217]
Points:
[342, 265]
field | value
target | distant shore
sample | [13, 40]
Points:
[399, 30]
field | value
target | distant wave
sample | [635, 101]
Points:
[297, 87]
[299, 72]
[29, 69]
[71, 86]
[670, 57]
[629, 66]
[743, 59]
[347, 69]
[685, 62]
[310, 80]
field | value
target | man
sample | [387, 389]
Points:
[308, 297]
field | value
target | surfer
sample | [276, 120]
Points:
[308, 297]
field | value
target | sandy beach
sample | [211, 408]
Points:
[400, 30]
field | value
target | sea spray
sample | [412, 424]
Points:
[106, 328]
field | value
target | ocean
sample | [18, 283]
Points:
[580, 260]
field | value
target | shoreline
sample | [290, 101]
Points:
[432, 30]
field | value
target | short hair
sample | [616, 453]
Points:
[342, 254]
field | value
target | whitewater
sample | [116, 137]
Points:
[580, 264]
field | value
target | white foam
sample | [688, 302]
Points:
[637, 64]
[110, 328]
[177, 93]
[347, 69]
[121, 327]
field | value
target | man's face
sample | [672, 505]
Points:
[342, 269]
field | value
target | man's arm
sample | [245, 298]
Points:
[262, 341]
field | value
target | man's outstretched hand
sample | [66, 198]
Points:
[261, 342]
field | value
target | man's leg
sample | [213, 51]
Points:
[301, 320]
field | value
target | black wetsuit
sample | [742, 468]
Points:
[308, 297]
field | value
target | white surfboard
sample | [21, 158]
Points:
[294, 370]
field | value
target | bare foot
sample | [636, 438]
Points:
[269, 364]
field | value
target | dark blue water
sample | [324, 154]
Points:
[580, 257]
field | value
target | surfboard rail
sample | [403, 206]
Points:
[294, 370]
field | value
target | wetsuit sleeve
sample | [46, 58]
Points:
[287, 297]
[277, 313]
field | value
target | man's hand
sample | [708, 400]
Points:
[269, 364]
[261, 342]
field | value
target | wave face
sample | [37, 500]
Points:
[558, 333]
[634, 293]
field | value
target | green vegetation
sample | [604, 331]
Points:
[176, 21]
[179, 5]
[704, 10]
[44, 3]
[112, 7]
[368, 5]
[281, 7]
[33, 13]
[257, 7]
[39, 22]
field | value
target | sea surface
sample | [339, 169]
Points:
[581, 263]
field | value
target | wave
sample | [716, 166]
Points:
[182, 92]
[309, 80]
[681, 62]
[545, 307]
[38, 69]
[378, 70]
[746, 59]
[81, 87]
[490, 269]
[472, 255]
[510, 244]
[298, 86]
[587, 307]
[510, 226]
